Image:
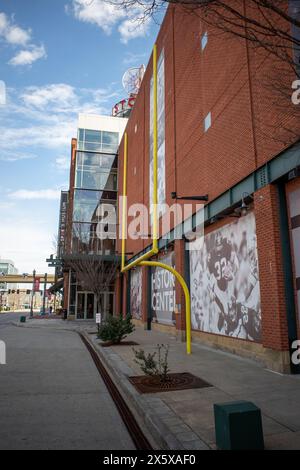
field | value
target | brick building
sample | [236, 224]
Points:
[217, 120]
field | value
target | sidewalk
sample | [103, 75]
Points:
[189, 413]
[184, 419]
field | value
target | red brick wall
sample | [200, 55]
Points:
[274, 320]
[226, 79]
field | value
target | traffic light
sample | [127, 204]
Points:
[28, 292]
[18, 291]
[9, 291]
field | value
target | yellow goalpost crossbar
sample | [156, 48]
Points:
[144, 259]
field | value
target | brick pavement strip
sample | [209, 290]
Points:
[166, 428]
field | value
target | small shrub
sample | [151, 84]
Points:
[152, 366]
[115, 329]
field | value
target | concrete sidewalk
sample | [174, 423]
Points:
[52, 396]
[232, 377]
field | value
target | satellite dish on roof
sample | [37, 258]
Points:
[132, 79]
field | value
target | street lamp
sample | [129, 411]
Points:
[243, 210]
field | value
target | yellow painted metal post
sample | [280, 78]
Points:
[124, 201]
[144, 259]
[187, 298]
[155, 147]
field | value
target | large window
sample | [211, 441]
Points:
[87, 202]
[96, 171]
[98, 141]
[85, 240]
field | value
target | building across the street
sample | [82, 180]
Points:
[7, 266]
[18, 299]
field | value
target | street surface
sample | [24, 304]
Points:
[52, 396]
[10, 317]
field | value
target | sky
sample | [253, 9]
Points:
[57, 58]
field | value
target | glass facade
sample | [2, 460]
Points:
[98, 141]
[96, 171]
[96, 185]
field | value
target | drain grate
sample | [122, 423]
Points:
[177, 381]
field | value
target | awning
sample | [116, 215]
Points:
[57, 286]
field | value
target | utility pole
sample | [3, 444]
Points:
[32, 294]
[45, 289]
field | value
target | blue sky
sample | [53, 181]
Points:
[57, 58]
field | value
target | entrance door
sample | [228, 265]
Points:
[85, 306]
[107, 304]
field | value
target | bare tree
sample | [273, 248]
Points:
[272, 24]
[271, 29]
[93, 274]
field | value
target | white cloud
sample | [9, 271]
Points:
[29, 56]
[62, 163]
[25, 194]
[38, 118]
[17, 35]
[61, 94]
[13, 156]
[98, 12]
[132, 59]
[46, 135]
[132, 28]
[3, 24]
[107, 16]
[12, 33]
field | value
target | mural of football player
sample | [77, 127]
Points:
[224, 279]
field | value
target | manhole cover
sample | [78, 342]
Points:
[177, 381]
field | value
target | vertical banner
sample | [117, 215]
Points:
[163, 298]
[225, 291]
[136, 293]
[161, 177]
[36, 287]
[294, 205]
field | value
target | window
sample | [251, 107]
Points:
[98, 141]
[207, 122]
[85, 239]
[96, 171]
[87, 202]
[204, 41]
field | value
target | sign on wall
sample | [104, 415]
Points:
[123, 107]
[136, 293]
[163, 292]
[62, 223]
[224, 277]
[161, 176]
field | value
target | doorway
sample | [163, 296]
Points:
[85, 306]
[107, 304]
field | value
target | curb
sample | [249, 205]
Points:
[167, 430]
